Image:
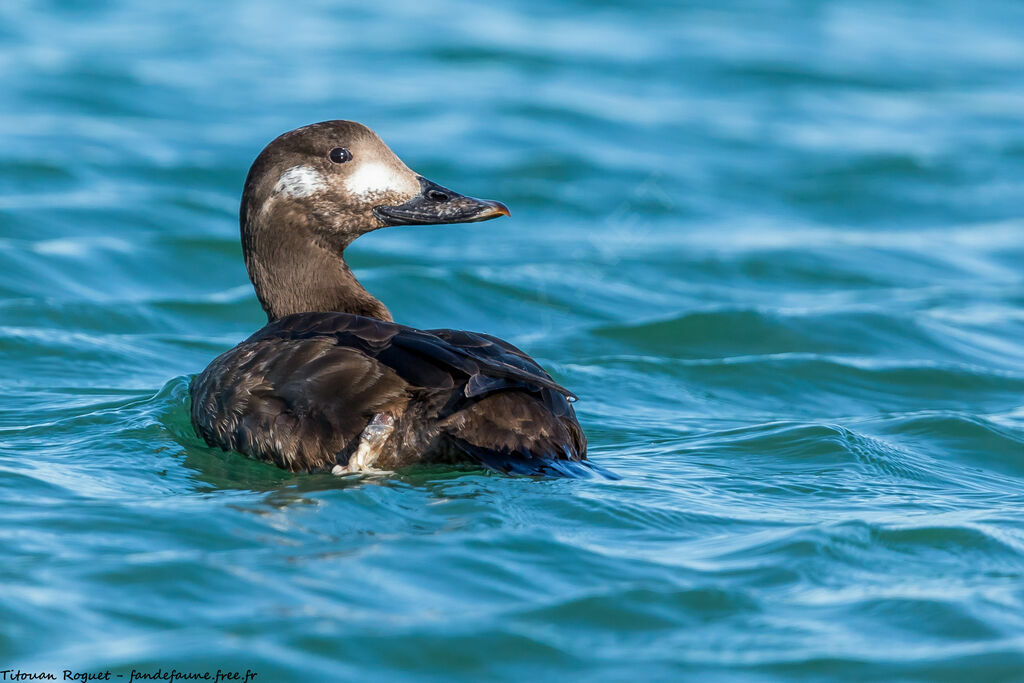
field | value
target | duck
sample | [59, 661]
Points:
[331, 383]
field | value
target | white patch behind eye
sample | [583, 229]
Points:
[300, 181]
[376, 178]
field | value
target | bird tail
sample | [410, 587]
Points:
[517, 462]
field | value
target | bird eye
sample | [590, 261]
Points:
[340, 155]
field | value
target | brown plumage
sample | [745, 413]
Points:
[331, 383]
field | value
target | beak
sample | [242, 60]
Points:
[435, 204]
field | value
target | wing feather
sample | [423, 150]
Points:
[300, 391]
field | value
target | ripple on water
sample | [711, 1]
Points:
[774, 249]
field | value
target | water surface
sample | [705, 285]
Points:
[775, 247]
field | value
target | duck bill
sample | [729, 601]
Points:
[436, 205]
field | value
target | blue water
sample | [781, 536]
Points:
[775, 247]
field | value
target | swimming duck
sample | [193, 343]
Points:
[331, 383]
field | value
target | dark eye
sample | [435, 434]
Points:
[340, 155]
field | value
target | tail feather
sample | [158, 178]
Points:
[532, 464]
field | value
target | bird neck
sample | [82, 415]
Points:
[305, 276]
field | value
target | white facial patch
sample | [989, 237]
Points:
[376, 178]
[300, 181]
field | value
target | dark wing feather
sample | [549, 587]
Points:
[500, 359]
[325, 374]
[517, 432]
[521, 433]
[295, 402]
[414, 353]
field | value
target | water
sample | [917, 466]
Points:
[775, 247]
